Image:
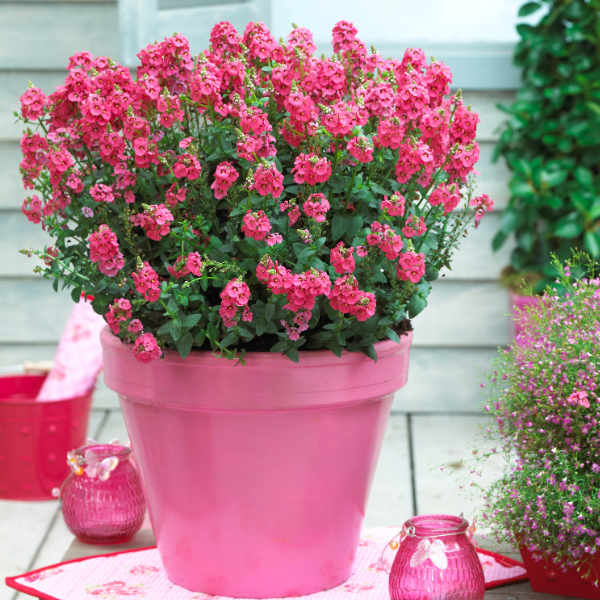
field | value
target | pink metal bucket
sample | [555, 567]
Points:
[257, 476]
[35, 438]
[517, 301]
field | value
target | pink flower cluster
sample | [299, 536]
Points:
[234, 296]
[101, 192]
[386, 239]
[316, 206]
[347, 298]
[446, 195]
[146, 282]
[342, 117]
[414, 227]
[341, 258]
[119, 312]
[32, 209]
[187, 166]
[155, 220]
[361, 148]
[301, 288]
[256, 225]
[225, 177]
[311, 169]
[411, 266]
[146, 348]
[395, 205]
[191, 264]
[268, 180]
[33, 102]
[104, 249]
[482, 203]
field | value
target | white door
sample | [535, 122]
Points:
[145, 21]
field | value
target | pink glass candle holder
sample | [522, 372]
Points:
[436, 559]
[102, 499]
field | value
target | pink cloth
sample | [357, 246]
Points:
[140, 574]
[78, 358]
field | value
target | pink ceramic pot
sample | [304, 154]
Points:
[516, 301]
[257, 476]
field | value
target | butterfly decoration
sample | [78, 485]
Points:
[471, 531]
[99, 468]
[75, 461]
[434, 551]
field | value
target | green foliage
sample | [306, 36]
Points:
[551, 141]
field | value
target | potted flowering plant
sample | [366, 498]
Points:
[545, 408]
[248, 203]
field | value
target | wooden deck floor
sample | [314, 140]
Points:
[408, 481]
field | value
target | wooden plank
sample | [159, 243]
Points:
[445, 440]
[144, 538]
[475, 259]
[484, 103]
[444, 380]
[468, 314]
[33, 312]
[59, 31]
[104, 398]
[13, 84]
[390, 501]
[494, 177]
[23, 526]
[114, 428]
[463, 314]
[17, 354]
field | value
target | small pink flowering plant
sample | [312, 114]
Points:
[252, 197]
[544, 399]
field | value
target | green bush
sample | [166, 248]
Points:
[551, 142]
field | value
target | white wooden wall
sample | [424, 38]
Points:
[456, 335]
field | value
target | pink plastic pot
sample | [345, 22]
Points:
[257, 476]
[546, 578]
[516, 301]
[35, 438]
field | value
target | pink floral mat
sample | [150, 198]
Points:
[140, 574]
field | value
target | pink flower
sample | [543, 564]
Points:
[135, 326]
[414, 227]
[411, 266]
[274, 238]
[580, 398]
[344, 34]
[361, 148]
[341, 258]
[174, 196]
[235, 295]
[268, 180]
[32, 209]
[146, 348]
[294, 215]
[316, 206]
[445, 195]
[118, 313]
[255, 121]
[194, 264]
[185, 142]
[256, 225]
[102, 193]
[394, 206]
[146, 283]
[33, 102]
[361, 251]
[311, 169]
[482, 203]
[225, 177]
[155, 220]
[187, 166]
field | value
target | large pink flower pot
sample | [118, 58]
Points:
[516, 306]
[257, 476]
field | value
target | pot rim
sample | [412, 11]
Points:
[112, 343]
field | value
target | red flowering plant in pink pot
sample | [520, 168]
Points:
[254, 196]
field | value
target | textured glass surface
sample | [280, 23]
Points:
[104, 512]
[425, 570]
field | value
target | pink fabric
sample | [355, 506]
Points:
[140, 574]
[78, 357]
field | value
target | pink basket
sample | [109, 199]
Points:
[35, 437]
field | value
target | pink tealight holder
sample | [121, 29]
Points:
[436, 559]
[102, 499]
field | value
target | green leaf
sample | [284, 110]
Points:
[528, 9]
[229, 339]
[269, 311]
[76, 294]
[172, 306]
[594, 107]
[164, 329]
[555, 178]
[377, 188]
[280, 346]
[184, 345]
[416, 305]
[212, 332]
[306, 253]
[335, 347]
[261, 326]
[568, 228]
[592, 242]
[392, 335]
[200, 337]
[322, 335]
[354, 226]
[175, 329]
[370, 352]
[189, 321]
[518, 187]
[247, 335]
[101, 285]
[292, 354]
[584, 176]
[339, 225]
